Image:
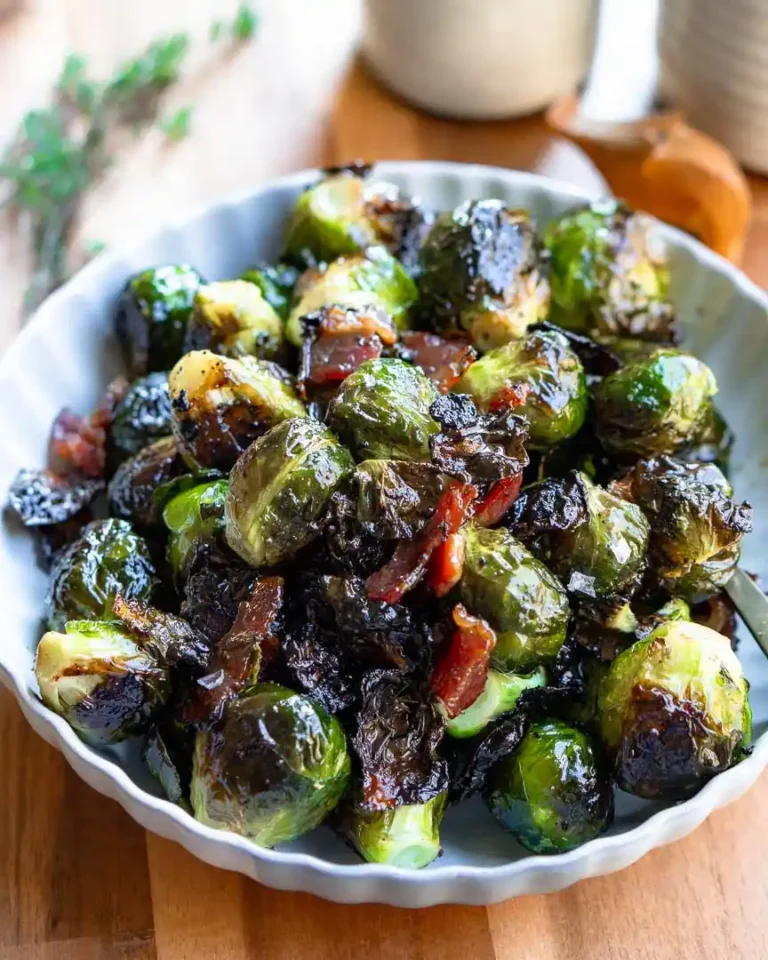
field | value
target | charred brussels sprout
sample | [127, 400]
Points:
[233, 318]
[654, 405]
[395, 498]
[382, 411]
[194, 517]
[500, 695]
[221, 405]
[406, 836]
[142, 416]
[540, 377]
[481, 272]
[524, 603]
[371, 279]
[107, 559]
[606, 275]
[152, 315]
[345, 212]
[132, 489]
[674, 710]
[276, 284]
[273, 767]
[279, 489]
[551, 793]
[602, 550]
[696, 528]
[100, 681]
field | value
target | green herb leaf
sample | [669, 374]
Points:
[177, 126]
[245, 23]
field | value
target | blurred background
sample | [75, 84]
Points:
[578, 89]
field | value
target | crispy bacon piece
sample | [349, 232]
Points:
[446, 564]
[242, 651]
[339, 340]
[510, 396]
[411, 557]
[498, 500]
[460, 675]
[77, 443]
[443, 361]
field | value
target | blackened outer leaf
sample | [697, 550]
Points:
[398, 735]
[40, 498]
[552, 506]
[477, 448]
[174, 641]
[475, 758]
[217, 582]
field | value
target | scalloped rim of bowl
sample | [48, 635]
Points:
[366, 882]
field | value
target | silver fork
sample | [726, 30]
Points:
[752, 605]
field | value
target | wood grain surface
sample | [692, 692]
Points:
[78, 878]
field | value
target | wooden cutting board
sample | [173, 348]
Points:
[78, 878]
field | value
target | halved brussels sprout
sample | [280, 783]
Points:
[524, 603]
[480, 271]
[499, 696]
[279, 489]
[406, 836]
[654, 405]
[552, 793]
[345, 212]
[193, 517]
[370, 279]
[674, 711]
[221, 405]
[131, 491]
[540, 377]
[100, 681]
[382, 411]
[233, 318]
[603, 554]
[606, 274]
[152, 315]
[272, 769]
[696, 528]
[141, 417]
[108, 558]
[276, 284]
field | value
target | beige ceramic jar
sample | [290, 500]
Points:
[480, 59]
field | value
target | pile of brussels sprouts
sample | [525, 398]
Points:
[435, 505]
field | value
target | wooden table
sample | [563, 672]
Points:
[78, 878]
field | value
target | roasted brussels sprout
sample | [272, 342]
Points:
[395, 498]
[540, 377]
[233, 318]
[131, 491]
[279, 489]
[552, 794]
[595, 541]
[273, 767]
[500, 695]
[524, 603]
[654, 405]
[221, 405]
[696, 528]
[713, 445]
[276, 284]
[370, 279]
[345, 212]
[382, 412]
[193, 517]
[142, 416]
[480, 271]
[152, 315]
[406, 836]
[674, 710]
[107, 559]
[100, 680]
[606, 275]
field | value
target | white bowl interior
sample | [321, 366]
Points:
[67, 354]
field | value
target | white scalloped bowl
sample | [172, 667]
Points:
[67, 354]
